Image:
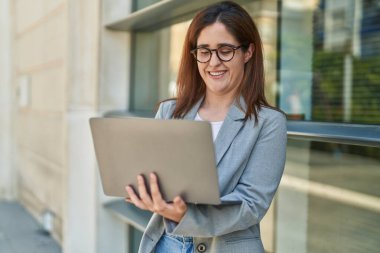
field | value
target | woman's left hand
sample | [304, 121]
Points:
[154, 202]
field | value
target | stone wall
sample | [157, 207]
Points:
[40, 81]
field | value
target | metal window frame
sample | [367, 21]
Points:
[342, 133]
[160, 14]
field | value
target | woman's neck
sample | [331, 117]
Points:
[214, 107]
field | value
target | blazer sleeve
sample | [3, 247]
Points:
[165, 109]
[160, 111]
[255, 189]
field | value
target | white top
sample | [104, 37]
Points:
[215, 126]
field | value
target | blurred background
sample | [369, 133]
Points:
[64, 61]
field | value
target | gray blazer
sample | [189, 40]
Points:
[250, 161]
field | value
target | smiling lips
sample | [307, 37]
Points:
[216, 74]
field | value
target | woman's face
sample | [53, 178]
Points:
[221, 77]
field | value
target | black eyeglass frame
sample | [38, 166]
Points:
[234, 48]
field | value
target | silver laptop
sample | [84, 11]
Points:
[180, 152]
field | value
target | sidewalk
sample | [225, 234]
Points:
[21, 233]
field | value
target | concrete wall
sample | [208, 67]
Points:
[82, 89]
[58, 47]
[51, 83]
[56, 78]
[113, 95]
[40, 78]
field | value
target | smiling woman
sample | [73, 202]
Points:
[220, 80]
[242, 73]
[223, 72]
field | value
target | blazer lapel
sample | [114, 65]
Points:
[233, 122]
[193, 112]
[230, 127]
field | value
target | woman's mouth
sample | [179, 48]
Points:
[216, 74]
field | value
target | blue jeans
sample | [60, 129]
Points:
[174, 244]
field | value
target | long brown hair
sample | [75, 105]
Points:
[190, 85]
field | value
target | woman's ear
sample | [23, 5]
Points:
[248, 54]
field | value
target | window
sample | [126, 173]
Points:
[335, 194]
[330, 61]
[157, 56]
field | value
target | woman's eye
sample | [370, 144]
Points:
[225, 51]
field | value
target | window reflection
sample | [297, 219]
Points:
[170, 56]
[155, 65]
[330, 60]
[329, 199]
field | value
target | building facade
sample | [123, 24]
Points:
[64, 61]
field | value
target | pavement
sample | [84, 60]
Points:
[21, 233]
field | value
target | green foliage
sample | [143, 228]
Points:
[328, 68]
[366, 91]
[327, 86]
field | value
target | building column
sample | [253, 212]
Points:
[7, 170]
[113, 95]
[97, 82]
[80, 215]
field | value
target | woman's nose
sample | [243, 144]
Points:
[214, 61]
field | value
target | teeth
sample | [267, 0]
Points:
[217, 73]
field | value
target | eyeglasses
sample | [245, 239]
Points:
[224, 53]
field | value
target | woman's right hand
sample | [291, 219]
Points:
[154, 202]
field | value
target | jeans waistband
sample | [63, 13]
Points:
[180, 237]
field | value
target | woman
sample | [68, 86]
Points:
[221, 80]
